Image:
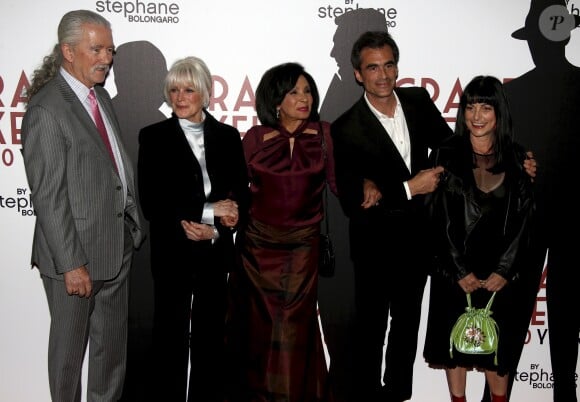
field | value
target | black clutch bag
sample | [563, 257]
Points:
[326, 260]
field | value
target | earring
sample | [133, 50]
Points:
[277, 113]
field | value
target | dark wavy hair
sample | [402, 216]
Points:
[373, 40]
[489, 90]
[273, 87]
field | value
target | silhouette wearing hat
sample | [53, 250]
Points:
[545, 106]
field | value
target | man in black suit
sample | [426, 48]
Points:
[337, 313]
[381, 149]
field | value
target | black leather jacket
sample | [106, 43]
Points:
[454, 202]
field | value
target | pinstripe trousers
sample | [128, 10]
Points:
[100, 320]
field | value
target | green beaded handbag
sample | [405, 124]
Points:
[475, 332]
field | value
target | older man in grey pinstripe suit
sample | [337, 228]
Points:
[87, 224]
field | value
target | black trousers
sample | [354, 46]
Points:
[390, 273]
[196, 300]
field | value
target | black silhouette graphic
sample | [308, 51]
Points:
[545, 104]
[336, 294]
[139, 71]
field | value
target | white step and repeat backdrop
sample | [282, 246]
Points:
[443, 45]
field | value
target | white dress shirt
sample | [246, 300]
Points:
[398, 131]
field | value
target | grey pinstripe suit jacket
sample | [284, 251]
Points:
[76, 191]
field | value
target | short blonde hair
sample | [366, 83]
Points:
[189, 71]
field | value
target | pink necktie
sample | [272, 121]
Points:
[100, 124]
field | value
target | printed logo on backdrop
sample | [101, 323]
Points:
[19, 201]
[537, 374]
[536, 377]
[345, 6]
[11, 112]
[141, 11]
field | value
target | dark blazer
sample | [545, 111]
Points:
[171, 188]
[363, 149]
[75, 188]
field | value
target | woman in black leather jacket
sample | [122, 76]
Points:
[481, 214]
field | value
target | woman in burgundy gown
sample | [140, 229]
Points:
[274, 337]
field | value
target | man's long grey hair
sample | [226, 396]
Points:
[70, 31]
